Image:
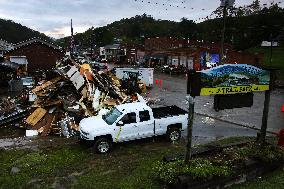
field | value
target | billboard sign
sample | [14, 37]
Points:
[228, 79]
[268, 44]
[209, 60]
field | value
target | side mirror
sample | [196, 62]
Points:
[120, 123]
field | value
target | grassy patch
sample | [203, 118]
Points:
[129, 165]
[41, 166]
[75, 166]
[271, 181]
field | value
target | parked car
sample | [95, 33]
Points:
[133, 121]
[173, 69]
[167, 68]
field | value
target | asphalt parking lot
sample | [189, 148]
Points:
[211, 125]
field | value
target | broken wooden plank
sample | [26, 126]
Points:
[36, 116]
[46, 84]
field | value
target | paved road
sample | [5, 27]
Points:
[211, 125]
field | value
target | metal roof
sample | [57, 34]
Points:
[35, 40]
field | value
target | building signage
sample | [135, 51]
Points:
[233, 78]
[228, 79]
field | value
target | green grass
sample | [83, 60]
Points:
[274, 180]
[40, 165]
[129, 165]
[277, 57]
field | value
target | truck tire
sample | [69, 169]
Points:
[102, 145]
[173, 134]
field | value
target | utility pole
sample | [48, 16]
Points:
[265, 116]
[262, 135]
[72, 40]
[224, 4]
[223, 32]
[189, 128]
[271, 47]
[263, 129]
[191, 77]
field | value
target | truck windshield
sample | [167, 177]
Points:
[111, 116]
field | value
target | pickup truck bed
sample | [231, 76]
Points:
[167, 111]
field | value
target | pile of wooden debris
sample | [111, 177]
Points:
[76, 92]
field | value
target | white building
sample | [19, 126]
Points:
[5, 46]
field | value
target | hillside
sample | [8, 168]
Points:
[132, 30]
[246, 27]
[14, 32]
[277, 57]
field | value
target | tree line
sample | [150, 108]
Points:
[246, 27]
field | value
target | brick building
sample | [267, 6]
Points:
[190, 53]
[41, 55]
[164, 43]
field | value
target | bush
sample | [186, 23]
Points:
[197, 169]
[266, 154]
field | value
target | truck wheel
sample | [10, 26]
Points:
[173, 134]
[102, 145]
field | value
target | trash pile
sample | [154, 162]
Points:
[76, 92]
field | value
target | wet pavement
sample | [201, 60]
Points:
[208, 123]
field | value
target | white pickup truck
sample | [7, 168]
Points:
[133, 121]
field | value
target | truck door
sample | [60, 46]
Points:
[127, 127]
[145, 124]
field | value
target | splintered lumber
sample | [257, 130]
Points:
[34, 118]
[110, 102]
[45, 130]
[46, 84]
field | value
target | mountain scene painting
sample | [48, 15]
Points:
[234, 75]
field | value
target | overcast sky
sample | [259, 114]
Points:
[52, 17]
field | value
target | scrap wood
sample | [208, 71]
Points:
[87, 111]
[103, 96]
[84, 92]
[125, 98]
[45, 103]
[45, 130]
[75, 127]
[42, 122]
[87, 72]
[110, 102]
[46, 84]
[77, 80]
[36, 116]
[71, 71]
[52, 103]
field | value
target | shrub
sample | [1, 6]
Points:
[197, 169]
[266, 154]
